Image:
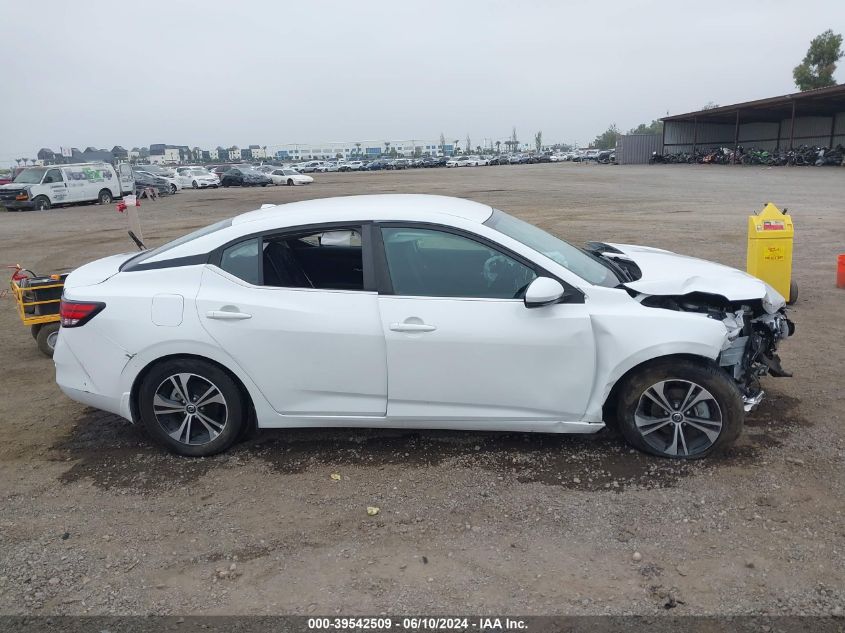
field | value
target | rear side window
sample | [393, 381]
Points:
[324, 260]
[328, 260]
[241, 260]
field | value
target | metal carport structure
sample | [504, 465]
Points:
[814, 117]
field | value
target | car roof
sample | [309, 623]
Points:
[370, 207]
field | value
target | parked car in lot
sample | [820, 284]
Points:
[172, 182]
[289, 177]
[401, 163]
[352, 165]
[220, 170]
[458, 161]
[416, 311]
[244, 176]
[377, 165]
[310, 166]
[157, 170]
[145, 180]
[41, 188]
[196, 178]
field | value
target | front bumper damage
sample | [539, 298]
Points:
[750, 351]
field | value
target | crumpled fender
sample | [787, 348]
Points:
[624, 341]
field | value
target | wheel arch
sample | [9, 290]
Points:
[252, 418]
[609, 404]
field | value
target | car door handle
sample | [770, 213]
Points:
[412, 327]
[224, 315]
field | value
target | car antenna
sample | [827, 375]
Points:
[138, 242]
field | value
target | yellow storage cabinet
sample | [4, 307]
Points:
[770, 236]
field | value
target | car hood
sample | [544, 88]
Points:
[668, 273]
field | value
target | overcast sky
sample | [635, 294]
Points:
[210, 73]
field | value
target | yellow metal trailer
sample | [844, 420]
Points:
[38, 300]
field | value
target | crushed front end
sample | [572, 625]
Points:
[755, 328]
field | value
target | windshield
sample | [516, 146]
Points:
[30, 176]
[145, 255]
[556, 249]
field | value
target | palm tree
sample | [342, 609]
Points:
[455, 147]
[498, 147]
[18, 161]
[357, 149]
[387, 147]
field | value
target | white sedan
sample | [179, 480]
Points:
[288, 177]
[415, 311]
[458, 161]
[196, 177]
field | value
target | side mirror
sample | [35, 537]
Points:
[543, 291]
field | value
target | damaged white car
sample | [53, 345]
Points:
[416, 311]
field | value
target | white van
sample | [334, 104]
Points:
[44, 187]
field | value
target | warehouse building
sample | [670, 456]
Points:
[812, 118]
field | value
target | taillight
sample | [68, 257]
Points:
[76, 313]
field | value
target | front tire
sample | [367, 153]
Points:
[172, 189]
[191, 407]
[42, 203]
[195, 185]
[290, 182]
[680, 409]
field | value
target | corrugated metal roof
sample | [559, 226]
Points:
[821, 102]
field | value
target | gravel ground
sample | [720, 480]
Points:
[96, 520]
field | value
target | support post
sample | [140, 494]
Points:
[736, 137]
[694, 134]
[792, 129]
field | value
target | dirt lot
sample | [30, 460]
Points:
[94, 519]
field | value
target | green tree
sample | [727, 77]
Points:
[538, 140]
[655, 127]
[710, 105]
[608, 138]
[819, 64]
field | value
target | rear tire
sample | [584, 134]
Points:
[170, 403]
[104, 197]
[713, 422]
[195, 185]
[290, 182]
[46, 338]
[34, 330]
[172, 189]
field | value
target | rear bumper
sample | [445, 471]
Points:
[78, 385]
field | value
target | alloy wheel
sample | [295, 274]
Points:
[678, 418]
[190, 408]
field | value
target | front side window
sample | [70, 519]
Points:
[54, 175]
[432, 263]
